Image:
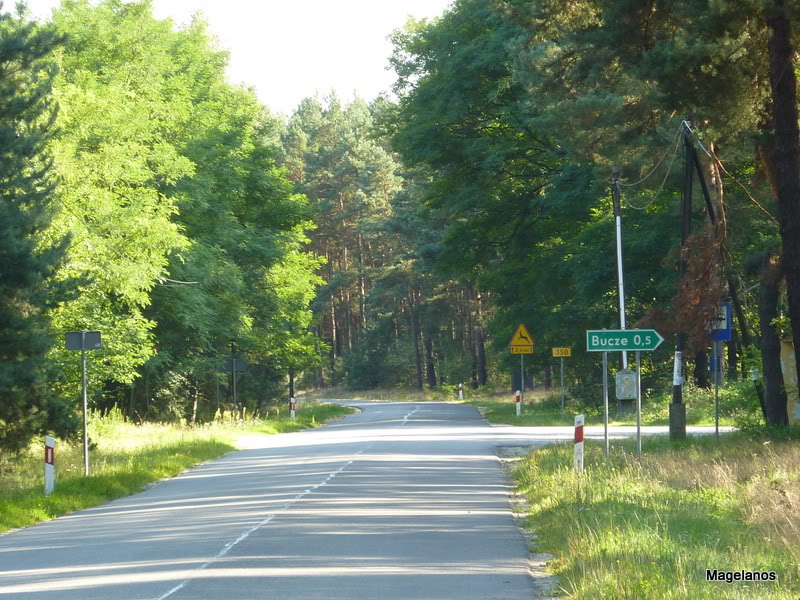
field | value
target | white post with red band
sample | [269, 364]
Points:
[292, 408]
[518, 402]
[579, 444]
[460, 391]
[49, 465]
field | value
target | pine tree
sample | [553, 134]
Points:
[27, 262]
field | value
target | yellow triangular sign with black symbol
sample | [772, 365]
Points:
[522, 341]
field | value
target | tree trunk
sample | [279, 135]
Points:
[430, 369]
[470, 339]
[195, 397]
[320, 372]
[701, 370]
[733, 357]
[480, 341]
[334, 331]
[362, 285]
[787, 148]
[415, 337]
[483, 373]
[747, 340]
[775, 410]
[442, 359]
[347, 320]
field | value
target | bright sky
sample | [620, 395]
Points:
[290, 49]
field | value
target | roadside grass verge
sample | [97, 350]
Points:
[542, 409]
[646, 529]
[441, 394]
[127, 458]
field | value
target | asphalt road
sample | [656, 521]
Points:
[400, 501]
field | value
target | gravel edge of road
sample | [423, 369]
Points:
[545, 585]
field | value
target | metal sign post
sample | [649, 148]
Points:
[638, 340]
[615, 197]
[85, 408]
[233, 366]
[716, 364]
[522, 344]
[562, 353]
[638, 404]
[720, 332]
[605, 400]
[83, 341]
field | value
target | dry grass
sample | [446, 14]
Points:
[127, 457]
[647, 529]
[765, 476]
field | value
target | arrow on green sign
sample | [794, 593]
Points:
[616, 340]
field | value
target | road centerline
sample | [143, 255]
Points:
[230, 545]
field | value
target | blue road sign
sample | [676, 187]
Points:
[721, 326]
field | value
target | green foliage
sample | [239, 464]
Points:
[186, 233]
[377, 362]
[520, 112]
[28, 258]
[116, 161]
[650, 527]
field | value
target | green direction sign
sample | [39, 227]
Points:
[617, 340]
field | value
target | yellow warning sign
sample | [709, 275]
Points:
[522, 341]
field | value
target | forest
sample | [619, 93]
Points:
[398, 241]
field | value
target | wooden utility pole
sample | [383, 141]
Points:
[677, 409]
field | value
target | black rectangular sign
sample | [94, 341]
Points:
[91, 340]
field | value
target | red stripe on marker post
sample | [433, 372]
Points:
[578, 458]
[49, 465]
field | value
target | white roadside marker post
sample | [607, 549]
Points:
[579, 444]
[518, 402]
[49, 465]
[292, 407]
[460, 391]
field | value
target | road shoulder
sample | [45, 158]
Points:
[545, 585]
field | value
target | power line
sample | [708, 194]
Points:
[658, 164]
[666, 175]
[717, 161]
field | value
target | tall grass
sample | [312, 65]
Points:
[543, 408]
[399, 394]
[738, 405]
[649, 529]
[125, 458]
